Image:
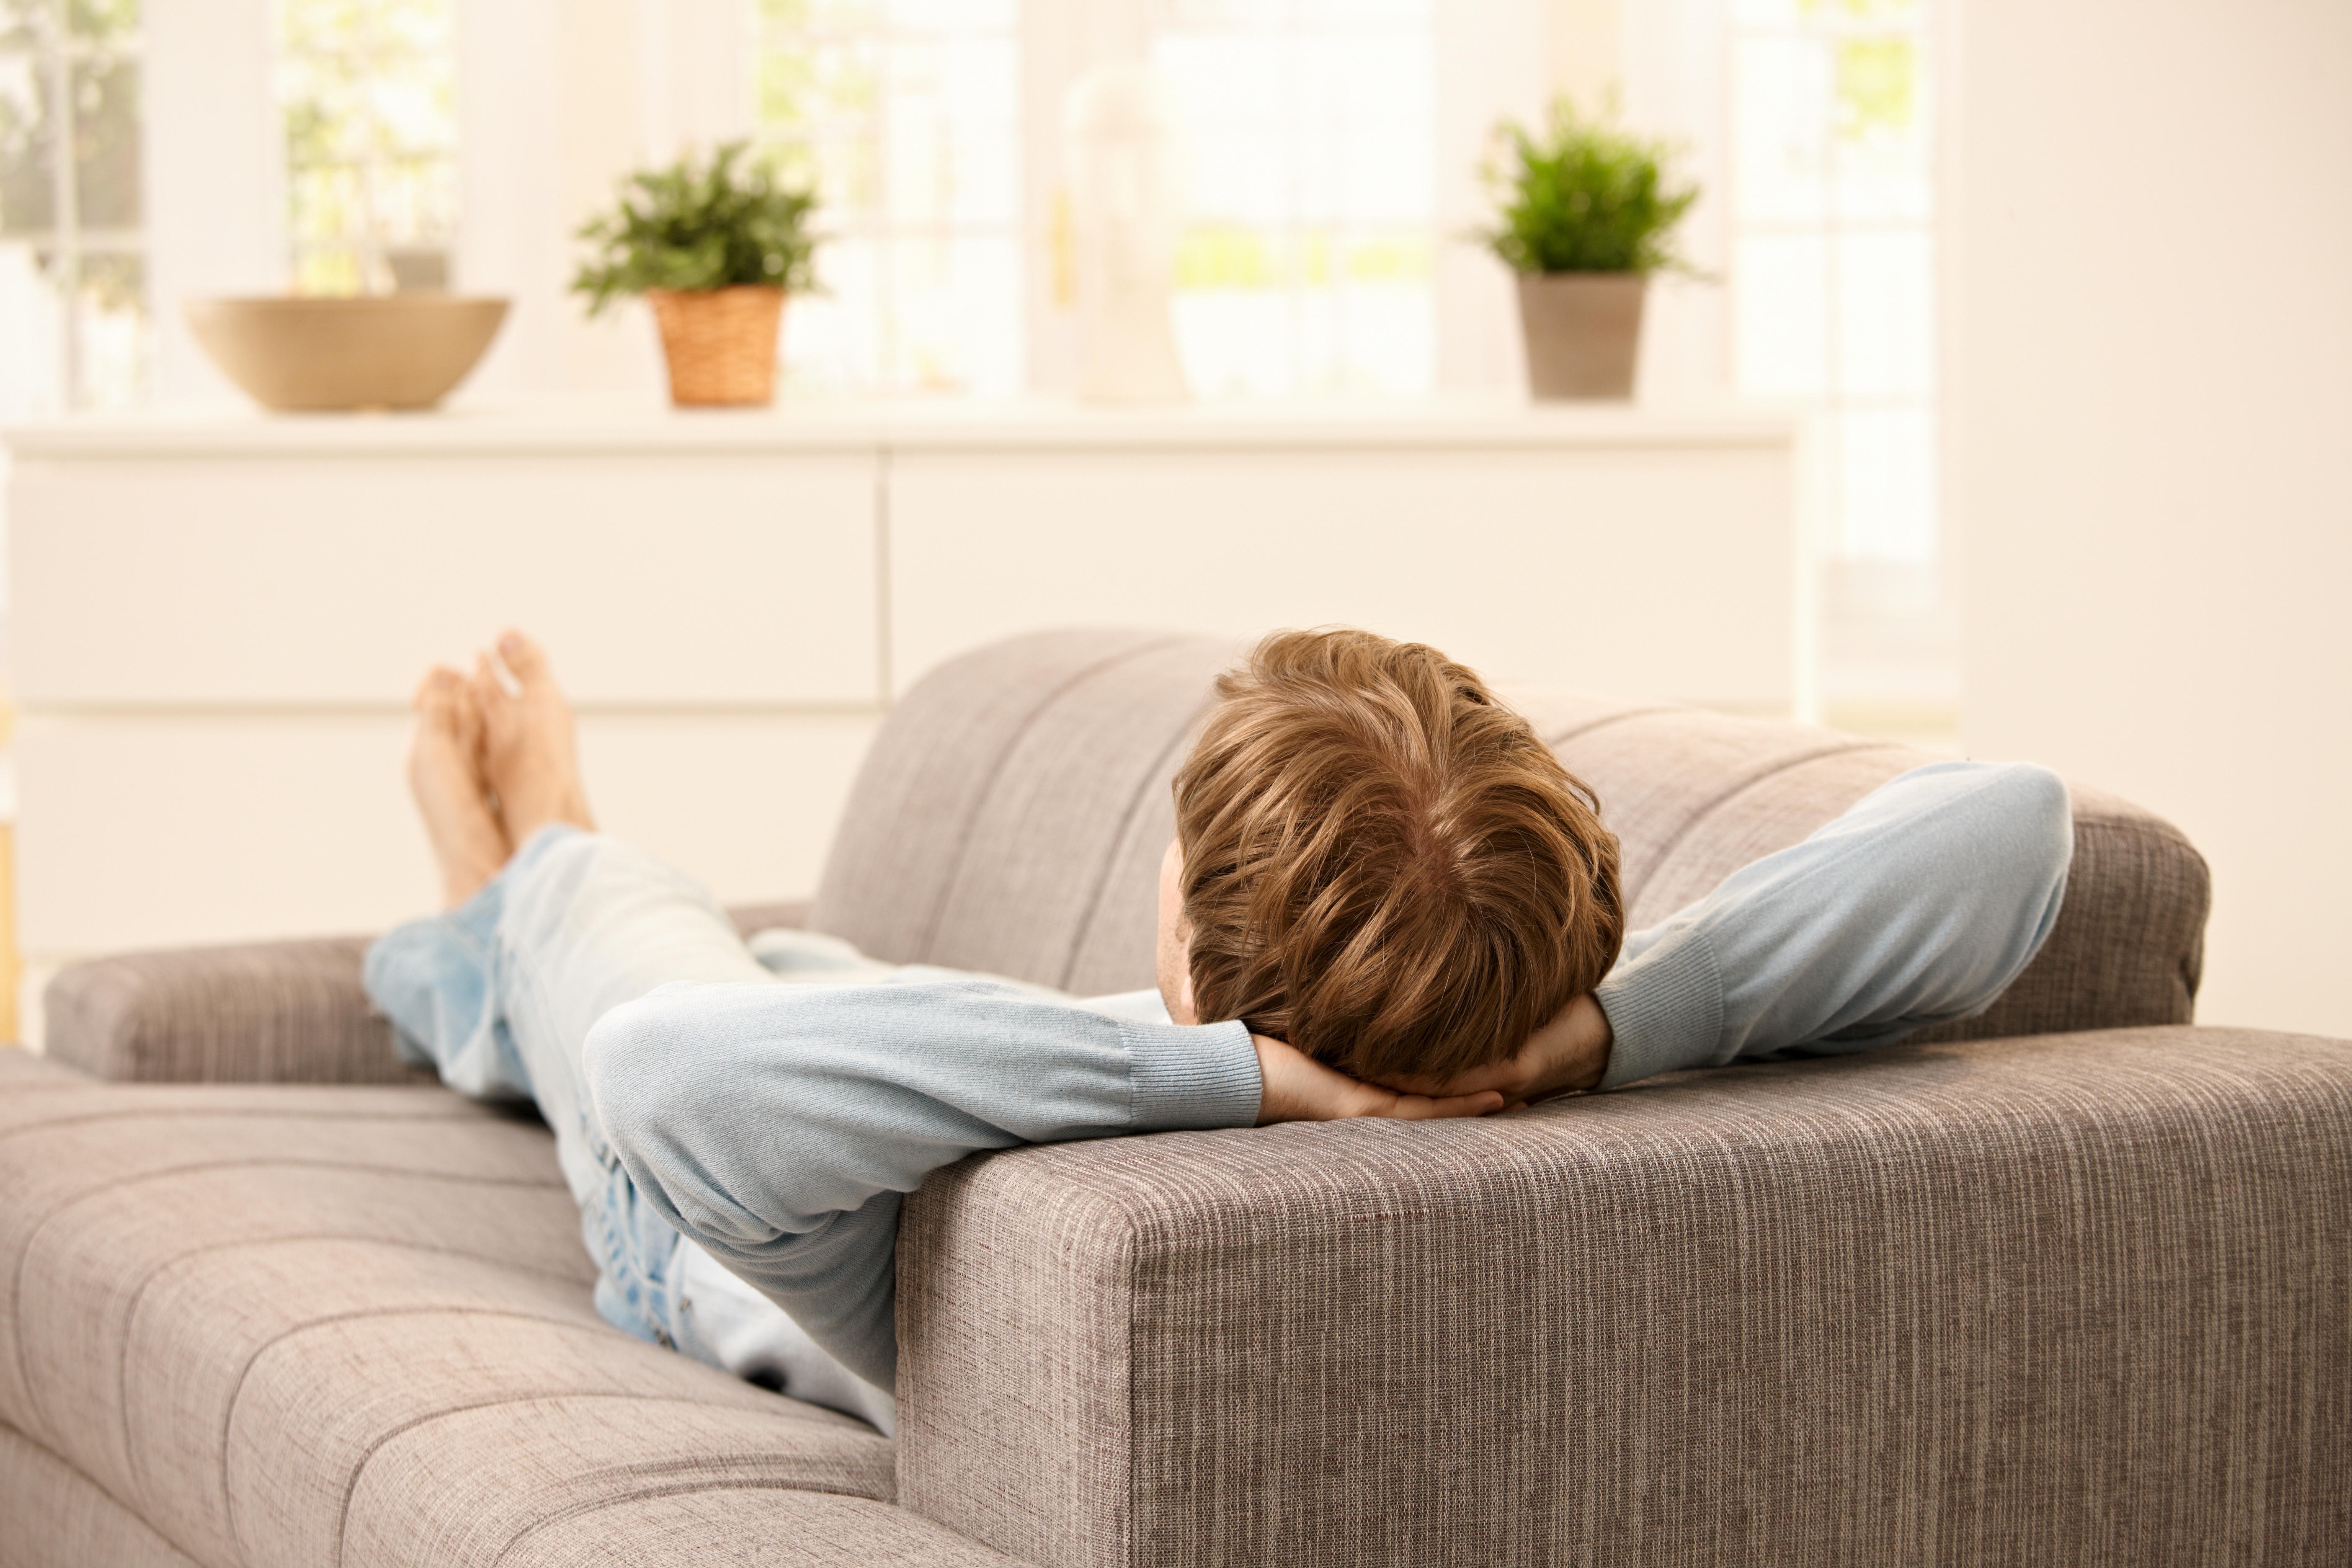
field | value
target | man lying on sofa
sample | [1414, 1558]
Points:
[1385, 898]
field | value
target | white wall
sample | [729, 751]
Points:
[2151, 402]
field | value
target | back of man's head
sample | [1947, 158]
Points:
[1383, 866]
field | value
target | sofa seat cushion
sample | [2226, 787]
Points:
[57, 1515]
[279, 1324]
[482, 1490]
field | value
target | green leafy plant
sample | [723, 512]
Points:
[728, 222]
[1587, 197]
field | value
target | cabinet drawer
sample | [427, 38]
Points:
[693, 578]
[1667, 573]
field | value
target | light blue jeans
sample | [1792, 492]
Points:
[498, 996]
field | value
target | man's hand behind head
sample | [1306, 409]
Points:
[1298, 1087]
[1571, 1052]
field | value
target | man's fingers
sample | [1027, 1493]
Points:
[1296, 1087]
[1504, 1076]
[1423, 1107]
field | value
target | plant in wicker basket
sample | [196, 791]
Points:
[714, 248]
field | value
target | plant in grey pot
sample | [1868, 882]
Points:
[1587, 216]
[714, 249]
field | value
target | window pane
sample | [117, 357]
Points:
[948, 15]
[27, 201]
[33, 325]
[1310, 195]
[1780, 130]
[905, 117]
[73, 315]
[1780, 314]
[1832, 250]
[1887, 314]
[113, 331]
[369, 93]
[952, 334]
[1886, 474]
[106, 143]
[1884, 151]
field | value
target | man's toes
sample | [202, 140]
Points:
[524, 659]
[435, 693]
[466, 715]
[487, 692]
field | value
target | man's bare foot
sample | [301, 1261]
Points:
[445, 775]
[527, 747]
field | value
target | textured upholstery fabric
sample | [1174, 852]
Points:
[263, 1012]
[1031, 775]
[51, 1516]
[272, 1012]
[746, 1530]
[294, 1326]
[23, 1069]
[2066, 1299]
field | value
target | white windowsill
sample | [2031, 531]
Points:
[843, 425]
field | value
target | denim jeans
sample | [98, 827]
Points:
[498, 996]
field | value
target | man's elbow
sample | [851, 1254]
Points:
[2016, 861]
[2036, 826]
[670, 1105]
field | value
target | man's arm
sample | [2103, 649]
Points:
[778, 1126]
[1918, 906]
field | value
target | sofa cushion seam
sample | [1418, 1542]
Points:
[139, 1299]
[236, 1394]
[683, 1489]
[1126, 818]
[1707, 808]
[996, 772]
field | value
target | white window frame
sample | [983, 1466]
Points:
[56, 53]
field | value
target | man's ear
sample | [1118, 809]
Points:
[1184, 997]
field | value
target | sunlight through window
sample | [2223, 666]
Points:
[1305, 263]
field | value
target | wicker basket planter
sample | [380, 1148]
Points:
[720, 343]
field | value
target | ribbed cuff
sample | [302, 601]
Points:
[1665, 1009]
[1193, 1078]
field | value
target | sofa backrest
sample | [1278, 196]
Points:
[1012, 814]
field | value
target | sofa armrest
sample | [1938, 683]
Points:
[273, 1012]
[283, 1012]
[1852, 1309]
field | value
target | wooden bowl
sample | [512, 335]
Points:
[390, 350]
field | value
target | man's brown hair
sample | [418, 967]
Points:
[1383, 866]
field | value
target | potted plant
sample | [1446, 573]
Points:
[1586, 218]
[714, 249]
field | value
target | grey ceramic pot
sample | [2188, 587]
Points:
[1583, 332]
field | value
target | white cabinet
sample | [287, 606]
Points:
[216, 621]
[291, 579]
[1615, 555]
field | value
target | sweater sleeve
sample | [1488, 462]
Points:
[1917, 906]
[779, 1126]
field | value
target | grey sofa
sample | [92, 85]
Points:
[2068, 1282]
